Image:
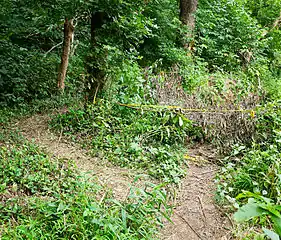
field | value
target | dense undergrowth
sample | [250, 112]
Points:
[136, 138]
[54, 103]
[46, 198]
[252, 173]
[139, 52]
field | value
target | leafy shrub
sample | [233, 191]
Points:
[128, 83]
[25, 74]
[263, 208]
[254, 171]
[8, 114]
[265, 11]
[132, 137]
[19, 168]
[167, 35]
[225, 31]
[256, 168]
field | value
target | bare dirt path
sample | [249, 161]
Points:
[118, 179]
[196, 215]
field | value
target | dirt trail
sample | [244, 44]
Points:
[196, 216]
[118, 179]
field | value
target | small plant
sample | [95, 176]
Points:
[262, 208]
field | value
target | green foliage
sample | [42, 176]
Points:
[265, 11]
[29, 29]
[263, 208]
[29, 172]
[17, 80]
[134, 34]
[225, 32]
[257, 169]
[254, 171]
[131, 84]
[8, 114]
[193, 75]
[166, 39]
[28, 72]
[46, 198]
[235, 51]
[239, 35]
[134, 138]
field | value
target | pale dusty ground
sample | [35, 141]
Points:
[196, 216]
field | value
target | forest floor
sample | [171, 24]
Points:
[196, 216]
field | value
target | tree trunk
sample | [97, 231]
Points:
[187, 11]
[97, 19]
[68, 34]
[277, 22]
[96, 76]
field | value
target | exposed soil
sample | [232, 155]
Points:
[112, 177]
[196, 215]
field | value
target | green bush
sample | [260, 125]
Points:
[265, 11]
[225, 31]
[137, 138]
[254, 172]
[25, 75]
[167, 36]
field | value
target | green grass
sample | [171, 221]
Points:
[46, 198]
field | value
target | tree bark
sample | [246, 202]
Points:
[187, 11]
[97, 19]
[96, 76]
[68, 35]
[277, 22]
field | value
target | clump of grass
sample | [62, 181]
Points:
[47, 198]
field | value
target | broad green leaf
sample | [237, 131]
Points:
[272, 210]
[248, 211]
[277, 224]
[124, 218]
